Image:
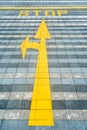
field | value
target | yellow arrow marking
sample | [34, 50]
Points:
[41, 106]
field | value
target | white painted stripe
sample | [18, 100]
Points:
[15, 95]
[52, 32]
[38, 20]
[55, 95]
[52, 75]
[43, 1]
[59, 52]
[52, 17]
[49, 24]
[58, 114]
[70, 35]
[61, 35]
[68, 114]
[9, 46]
[67, 46]
[48, 46]
[15, 75]
[31, 61]
[68, 75]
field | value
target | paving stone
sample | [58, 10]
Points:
[23, 125]
[10, 125]
[60, 125]
[76, 125]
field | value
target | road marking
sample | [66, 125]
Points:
[41, 106]
[17, 114]
[60, 12]
[24, 12]
[43, 8]
[46, 13]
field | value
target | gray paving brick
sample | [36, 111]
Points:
[75, 125]
[23, 125]
[60, 125]
[9, 125]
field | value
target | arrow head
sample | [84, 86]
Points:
[43, 31]
[24, 46]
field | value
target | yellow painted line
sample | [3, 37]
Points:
[41, 107]
[43, 8]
